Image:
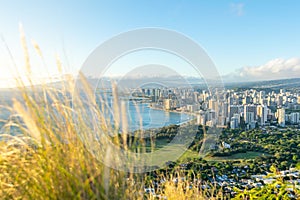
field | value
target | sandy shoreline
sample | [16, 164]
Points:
[193, 115]
[174, 111]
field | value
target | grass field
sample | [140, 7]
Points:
[189, 154]
[238, 156]
[168, 150]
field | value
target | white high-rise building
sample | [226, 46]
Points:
[233, 109]
[282, 91]
[262, 94]
[212, 104]
[167, 104]
[281, 116]
[201, 118]
[234, 123]
[249, 117]
[262, 112]
[294, 118]
[238, 117]
[250, 113]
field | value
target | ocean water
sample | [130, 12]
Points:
[139, 115]
[142, 114]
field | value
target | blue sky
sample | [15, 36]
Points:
[236, 34]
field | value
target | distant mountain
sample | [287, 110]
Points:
[181, 81]
[176, 81]
[291, 84]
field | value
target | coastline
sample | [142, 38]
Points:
[193, 115]
[174, 111]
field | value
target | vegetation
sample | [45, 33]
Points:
[49, 156]
[236, 156]
[278, 146]
[45, 150]
[277, 190]
[49, 160]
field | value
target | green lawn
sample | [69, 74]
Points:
[189, 155]
[238, 156]
[160, 146]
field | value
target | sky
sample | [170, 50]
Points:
[245, 39]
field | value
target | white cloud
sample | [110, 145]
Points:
[237, 8]
[275, 69]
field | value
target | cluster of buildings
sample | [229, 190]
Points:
[230, 185]
[245, 109]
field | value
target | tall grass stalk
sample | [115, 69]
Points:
[50, 157]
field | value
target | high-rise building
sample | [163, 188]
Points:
[238, 116]
[294, 118]
[224, 112]
[261, 97]
[167, 104]
[212, 104]
[248, 117]
[280, 100]
[233, 109]
[250, 113]
[210, 115]
[282, 91]
[201, 118]
[195, 96]
[281, 116]
[234, 123]
[262, 112]
[262, 94]
[246, 100]
[148, 92]
[157, 93]
[230, 100]
[192, 108]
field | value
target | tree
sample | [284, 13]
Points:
[298, 165]
[284, 165]
[295, 158]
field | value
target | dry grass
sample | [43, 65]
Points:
[49, 158]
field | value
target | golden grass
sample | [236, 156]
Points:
[50, 158]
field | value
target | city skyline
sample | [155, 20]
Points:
[145, 99]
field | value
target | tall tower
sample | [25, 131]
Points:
[233, 109]
[262, 112]
[250, 112]
[281, 116]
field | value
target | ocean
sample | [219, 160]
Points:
[152, 118]
[139, 114]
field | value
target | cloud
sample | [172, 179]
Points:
[275, 69]
[237, 8]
